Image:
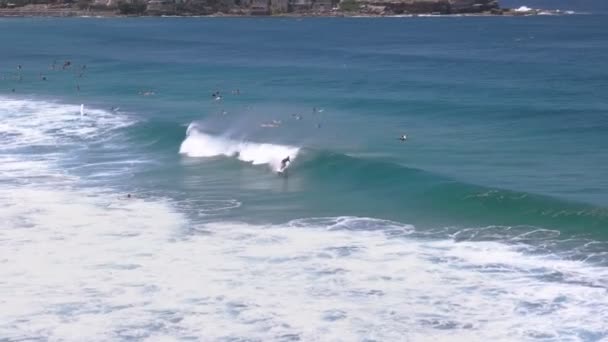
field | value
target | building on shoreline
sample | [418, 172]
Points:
[259, 7]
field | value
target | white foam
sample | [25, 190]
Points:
[27, 122]
[200, 144]
[50, 130]
[81, 266]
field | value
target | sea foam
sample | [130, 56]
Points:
[84, 266]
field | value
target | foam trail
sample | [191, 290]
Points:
[199, 144]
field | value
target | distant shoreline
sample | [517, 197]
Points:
[77, 14]
[63, 11]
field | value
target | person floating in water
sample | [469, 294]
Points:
[403, 137]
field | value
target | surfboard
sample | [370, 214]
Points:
[283, 170]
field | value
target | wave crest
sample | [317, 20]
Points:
[200, 144]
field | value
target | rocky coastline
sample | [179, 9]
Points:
[285, 8]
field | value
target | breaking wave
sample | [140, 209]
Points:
[200, 144]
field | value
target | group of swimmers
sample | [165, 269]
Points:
[43, 77]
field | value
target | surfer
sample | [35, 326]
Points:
[285, 162]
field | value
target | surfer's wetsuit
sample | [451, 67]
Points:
[284, 162]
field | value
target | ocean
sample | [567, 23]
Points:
[140, 199]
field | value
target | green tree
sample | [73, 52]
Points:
[349, 5]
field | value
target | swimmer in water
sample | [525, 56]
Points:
[403, 137]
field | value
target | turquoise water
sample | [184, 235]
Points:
[490, 221]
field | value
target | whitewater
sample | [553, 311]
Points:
[199, 144]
